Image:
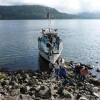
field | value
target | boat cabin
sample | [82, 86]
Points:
[49, 41]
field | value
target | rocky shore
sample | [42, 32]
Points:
[29, 85]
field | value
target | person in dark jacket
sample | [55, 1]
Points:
[62, 72]
[56, 70]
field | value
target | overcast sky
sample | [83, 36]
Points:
[69, 6]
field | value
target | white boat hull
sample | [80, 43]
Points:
[50, 46]
[52, 58]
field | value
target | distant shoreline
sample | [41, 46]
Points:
[58, 19]
[40, 12]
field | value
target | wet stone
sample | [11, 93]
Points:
[23, 90]
[40, 86]
[44, 92]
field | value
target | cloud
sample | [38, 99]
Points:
[90, 5]
[69, 6]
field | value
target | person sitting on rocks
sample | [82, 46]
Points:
[63, 72]
[59, 69]
[84, 72]
[77, 70]
[56, 70]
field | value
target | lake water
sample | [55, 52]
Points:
[19, 48]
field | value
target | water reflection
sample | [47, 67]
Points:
[43, 64]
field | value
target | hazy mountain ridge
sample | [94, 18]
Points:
[39, 12]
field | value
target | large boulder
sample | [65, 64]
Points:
[1, 97]
[23, 90]
[3, 83]
[96, 94]
[95, 81]
[67, 95]
[2, 76]
[98, 69]
[95, 89]
[83, 98]
[89, 67]
[44, 92]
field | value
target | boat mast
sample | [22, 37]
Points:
[49, 19]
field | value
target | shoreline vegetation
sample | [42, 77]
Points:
[37, 85]
[22, 12]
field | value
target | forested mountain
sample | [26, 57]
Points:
[37, 12]
[29, 12]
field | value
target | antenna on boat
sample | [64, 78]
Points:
[49, 19]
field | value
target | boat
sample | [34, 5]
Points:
[50, 45]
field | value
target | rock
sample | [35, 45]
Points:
[68, 95]
[60, 91]
[7, 82]
[83, 98]
[27, 76]
[93, 75]
[14, 92]
[95, 89]
[78, 96]
[95, 81]
[26, 80]
[30, 93]
[10, 87]
[12, 83]
[3, 93]
[3, 83]
[1, 97]
[96, 94]
[23, 90]
[44, 92]
[21, 97]
[55, 87]
[80, 84]
[89, 67]
[32, 89]
[98, 69]
[28, 88]
[2, 76]
[54, 96]
[20, 81]
[96, 62]
[37, 87]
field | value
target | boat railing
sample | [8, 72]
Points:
[49, 31]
